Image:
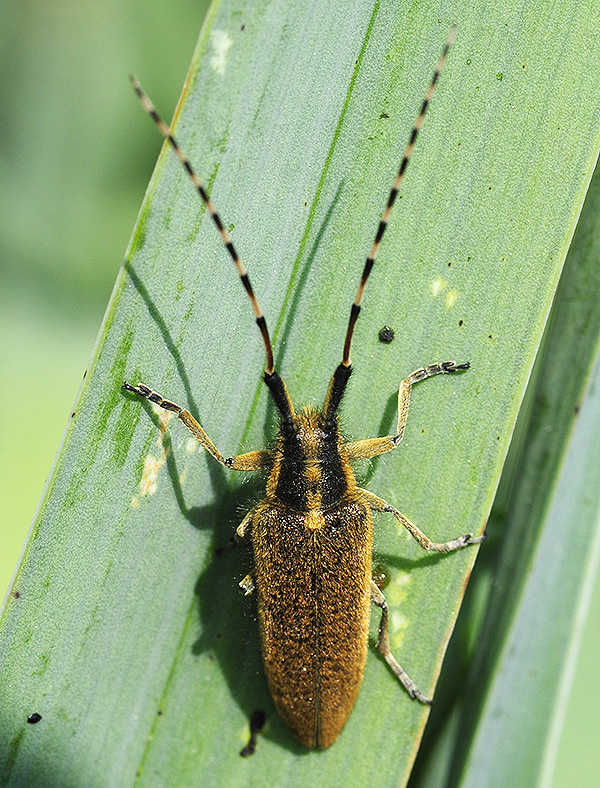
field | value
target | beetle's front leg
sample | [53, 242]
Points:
[372, 447]
[251, 461]
[445, 368]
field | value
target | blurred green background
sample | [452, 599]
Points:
[75, 158]
[76, 155]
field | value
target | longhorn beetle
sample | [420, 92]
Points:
[312, 533]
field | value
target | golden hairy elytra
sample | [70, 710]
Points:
[312, 533]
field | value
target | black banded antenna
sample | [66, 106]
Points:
[166, 132]
[355, 310]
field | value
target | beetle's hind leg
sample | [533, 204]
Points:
[251, 461]
[383, 645]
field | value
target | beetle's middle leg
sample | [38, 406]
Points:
[383, 644]
[377, 504]
[242, 532]
[371, 447]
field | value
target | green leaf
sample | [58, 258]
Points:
[552, 534]
[124, 630]
[542, 556]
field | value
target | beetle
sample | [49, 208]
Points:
[312, 533]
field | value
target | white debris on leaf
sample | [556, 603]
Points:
[220, 43]
[149, 481]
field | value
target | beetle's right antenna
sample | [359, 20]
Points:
[354, 312]
[166, 132]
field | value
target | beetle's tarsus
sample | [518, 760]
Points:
[451, 366]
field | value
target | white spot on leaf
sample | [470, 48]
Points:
[396, 592]
[451, 297]
[220, 43]
[437, 286]
[152, 465]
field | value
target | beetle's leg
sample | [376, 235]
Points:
[371, 447]
[445, 368]
[251, 461]
[248, 584]
[243, 529]
[379, 505]
[241, 533]
[383, 644]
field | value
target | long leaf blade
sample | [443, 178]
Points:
[148, 681]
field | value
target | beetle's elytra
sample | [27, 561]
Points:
[312, 533]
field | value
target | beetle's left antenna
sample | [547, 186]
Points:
[354, 312]
[166, 132]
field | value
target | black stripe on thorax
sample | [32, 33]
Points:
[294, 487]
[333, 479]
[291, 485]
